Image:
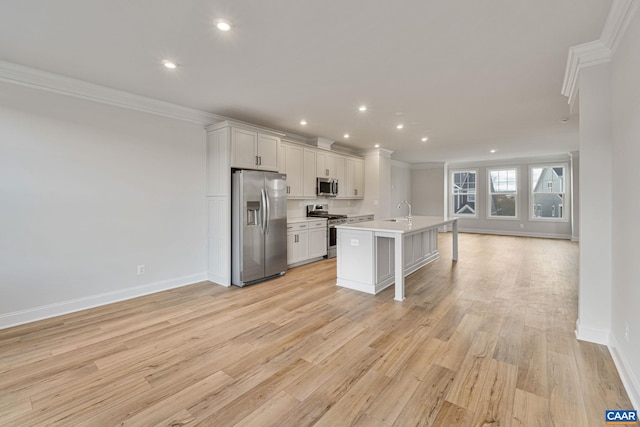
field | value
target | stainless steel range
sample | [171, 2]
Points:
[322, 211]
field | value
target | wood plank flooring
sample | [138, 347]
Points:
[486, 341]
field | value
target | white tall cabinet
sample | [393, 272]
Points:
[230, 146]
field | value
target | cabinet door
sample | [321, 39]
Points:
[317, 242]
[349, 192]
[341, 176]
[282, 158]
[268, 152]
[294, 161]
[326, 164]
[358, 178]
[303, 245]
[292, 247]
[321, 164]
[244, 148]
[309, 170]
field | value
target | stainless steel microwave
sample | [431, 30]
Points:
[327, 187]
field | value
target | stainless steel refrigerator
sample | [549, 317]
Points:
[259, 226]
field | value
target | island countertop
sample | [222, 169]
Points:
[400, 225]
[371, 254]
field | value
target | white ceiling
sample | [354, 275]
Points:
[473, 75]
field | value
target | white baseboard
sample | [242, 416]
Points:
[597, 336]
[515, 233]
[629, 379]
[219, 280]
[65, 307]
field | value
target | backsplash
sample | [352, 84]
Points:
[298, 208]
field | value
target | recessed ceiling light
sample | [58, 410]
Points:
[170, 64]
[222, 24]
[492, 151]
[303, 122]
[400, 126]
[363, 108]
[346, 135]
[377, 145]
[425, 139]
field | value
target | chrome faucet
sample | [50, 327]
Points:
[408, 204]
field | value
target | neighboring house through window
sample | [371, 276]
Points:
[503, 193]
[548, 193]
[463, 193]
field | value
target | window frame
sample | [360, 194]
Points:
[516, 194]
[452, 195]
[566, 194]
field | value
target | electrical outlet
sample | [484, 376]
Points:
[626, 331]
[140, 270]
[521, 225]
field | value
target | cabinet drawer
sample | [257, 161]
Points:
[294, 226]
[317, 224]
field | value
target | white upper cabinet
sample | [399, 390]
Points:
[252, 150]
[309, 171]
[268, 152]
[341, 175]
[291, 163]
[354, 179]
[358, 183]
[326, 164]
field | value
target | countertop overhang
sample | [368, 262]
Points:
[400, 225]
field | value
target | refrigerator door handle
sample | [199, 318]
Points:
[263, 211]
[268, 212]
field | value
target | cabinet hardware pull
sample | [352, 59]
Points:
[260, 160]
[256, 160]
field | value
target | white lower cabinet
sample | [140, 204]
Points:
[306, 241]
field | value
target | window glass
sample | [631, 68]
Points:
[463, 192]
[548, 192]
[503, 193]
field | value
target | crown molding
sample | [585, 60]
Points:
[400, 164]
[51, 82]
[621, 13]
[599, 51]
[382, 152]
[244, 125]
[581, 56]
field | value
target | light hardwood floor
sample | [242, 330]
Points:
[487, 341]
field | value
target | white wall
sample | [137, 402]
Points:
[625, 295]
[575, 193]
[400, 188]
[427, 189]
[89, 192]
[377, 188]
[594, 311]
[522, 226]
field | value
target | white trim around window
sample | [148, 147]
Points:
[549, 193]
[502, 193]
[463, 193]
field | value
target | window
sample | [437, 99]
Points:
[548, 192]
[503, 193]
[463, 193]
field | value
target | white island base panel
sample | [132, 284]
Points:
[367, 259]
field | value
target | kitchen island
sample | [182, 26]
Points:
[375, 254]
